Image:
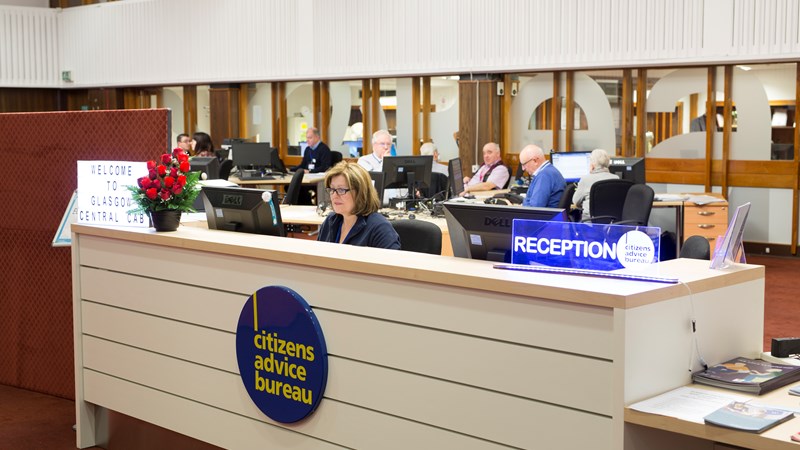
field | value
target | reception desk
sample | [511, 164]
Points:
[424, 351]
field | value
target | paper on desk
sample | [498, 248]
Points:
[671, 197]
[687, 403]
[193, 217]
[704, 199]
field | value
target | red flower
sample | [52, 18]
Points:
[162, 170]
[173, 172]
[177, 189]
[153, 175]
[156, 184]
[185, 166]
[182, 180]
[165, 194]
[166, 159]
[151, 165]
[144, 182]
[183, 157]
[152, 193]
[168, 181]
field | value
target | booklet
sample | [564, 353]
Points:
[747, 417]
[749, 375]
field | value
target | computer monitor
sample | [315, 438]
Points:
[631, 169]
[251, 155]
[208, 165]
[455, 177]
[410, 172]
[377, 182]
[276, 162]
[242, 209]
[481, 231]
[572, 165]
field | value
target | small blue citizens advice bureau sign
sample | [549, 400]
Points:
[281, 352]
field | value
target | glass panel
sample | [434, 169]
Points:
[259, 112]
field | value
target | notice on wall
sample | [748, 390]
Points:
[103, 196]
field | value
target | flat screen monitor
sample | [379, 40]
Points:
[572, 165]
[481, 231]
[631, 169]
[455, 176]
[276, 162]
[251, 155]
[377, 183]
[243, 210]
[407, 171]
[208, 165]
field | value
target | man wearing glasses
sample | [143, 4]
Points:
[547, 185]
[381, 146]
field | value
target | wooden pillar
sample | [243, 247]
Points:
[641, 112]
[570, 112]
[478, 116]
[795, 192]
[189, 109]
[415, 95]
[315, 104]
[426, 111]
[243, 108]
[224, 104]
[375, 104]
[727, 127]
[505, 122]
[283, 142]
[626, 128]
[276, 111]
[711, 124]
[325, 107]
[366, 117]
[555, 109]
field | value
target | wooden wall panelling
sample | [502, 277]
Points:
[375, 103]
[511, 154]
[760, 174]
[25, 100]
[478, 116]
[275, 107]
[224, 105]
[555, 109]
[244, 90]
[283, 143]
[315, 104]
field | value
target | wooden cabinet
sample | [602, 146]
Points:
[709, 221]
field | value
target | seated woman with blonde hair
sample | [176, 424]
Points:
[355, 219]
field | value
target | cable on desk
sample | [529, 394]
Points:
[694, 346]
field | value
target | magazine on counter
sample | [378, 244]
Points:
[746, 417]
[749, 375]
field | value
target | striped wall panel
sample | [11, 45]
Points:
[28, 47]
[158, 42]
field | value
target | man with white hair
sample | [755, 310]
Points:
[598, 170]
[547, 185]
[381, 146]
[429, 148]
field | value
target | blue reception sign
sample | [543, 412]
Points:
[584, 245]
[281, 353]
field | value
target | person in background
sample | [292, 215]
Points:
[317, 157]
[547, 184]
[491, 175]
[381, 146]
[598, 170]
[429, 148]
[202, 145]
[355, 219]
[185, 143]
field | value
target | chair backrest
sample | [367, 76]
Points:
[638, 203]
[293, 191]
[696, 247]
[607, 199]
[565, 203]
[225, 169]
[336, 157]
[438, 186]
[419, 236]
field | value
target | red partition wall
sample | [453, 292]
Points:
[38, 154]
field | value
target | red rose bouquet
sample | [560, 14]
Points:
[169, 185]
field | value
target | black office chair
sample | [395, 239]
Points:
[336, 158]
[565, 203]
[638, 203]
[437, 188]
[225, 169]
[292, 196]
[419, 236]
[607, 199]
[696, 247]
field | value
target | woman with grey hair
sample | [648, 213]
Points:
[598, 170]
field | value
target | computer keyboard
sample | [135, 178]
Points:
[587, 272]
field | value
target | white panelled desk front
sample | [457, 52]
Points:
[425, 351]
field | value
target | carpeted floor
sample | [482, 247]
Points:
[30, 420]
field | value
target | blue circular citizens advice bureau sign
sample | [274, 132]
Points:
[281, 353]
